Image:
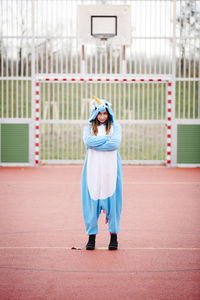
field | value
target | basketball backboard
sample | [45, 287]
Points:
[104, 22]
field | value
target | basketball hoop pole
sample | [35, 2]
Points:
[83, 52]
[83, 59]
[124, 59]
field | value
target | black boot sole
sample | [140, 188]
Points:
[112, 248]
[90, 248]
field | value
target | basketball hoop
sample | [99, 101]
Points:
[103, 37]
[104, 24]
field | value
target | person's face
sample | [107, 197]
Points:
[102, 117]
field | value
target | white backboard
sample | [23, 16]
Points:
[104, 21]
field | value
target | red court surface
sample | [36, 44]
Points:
[159, 242]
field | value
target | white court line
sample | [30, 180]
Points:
[162, 182]
[98, 248]
[125, 182]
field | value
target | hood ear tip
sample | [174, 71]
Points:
[97, 100]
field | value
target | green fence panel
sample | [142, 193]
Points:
[188, 144]
[15, 143]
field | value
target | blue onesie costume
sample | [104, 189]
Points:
[101, 184]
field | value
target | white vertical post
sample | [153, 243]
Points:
[2, 81]
[32, 131]
[173, 83]
[49, 125]
[12, 87]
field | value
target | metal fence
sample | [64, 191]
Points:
[39, 37]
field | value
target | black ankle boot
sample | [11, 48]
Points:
[113, 242]
[91, 242]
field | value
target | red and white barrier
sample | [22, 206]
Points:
[37, 122]
[77, 78]
[169, 122]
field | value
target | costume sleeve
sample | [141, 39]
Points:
[93, 141]
[113, 142]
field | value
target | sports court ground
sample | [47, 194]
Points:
[41, 221]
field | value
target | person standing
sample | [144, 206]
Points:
[101, 184]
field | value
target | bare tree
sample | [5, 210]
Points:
[188, 23]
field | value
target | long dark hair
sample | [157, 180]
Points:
[96, 123]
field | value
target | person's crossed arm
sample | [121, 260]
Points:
[103, 143]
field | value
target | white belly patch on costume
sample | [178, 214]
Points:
[101, 172]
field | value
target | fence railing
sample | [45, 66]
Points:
[38, 37]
